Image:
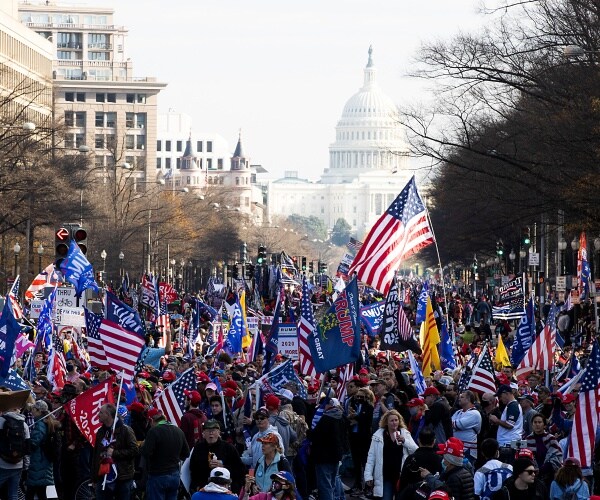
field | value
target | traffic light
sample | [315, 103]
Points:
[249, 271]
[262, 255]
[80, 236]
[322, 267]
[526, 236]
[235, 272]
[62, 237]
[499, 248]
[304, 263]
[311, 266]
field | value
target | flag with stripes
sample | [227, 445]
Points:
[399, 233]
[482, 376]
[395, 333]
[14, 295]
[346, 374]
[305, 328]
[585, 421]
[354, 245]
[36, 289]
[540, 355]
[430, 338]
[95, 347]
[57, 366]
[121, 346]
[171, 401]
[163, 324]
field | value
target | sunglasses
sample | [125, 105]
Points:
[261, 418]
[531, 472]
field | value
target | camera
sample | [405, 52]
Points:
[517, 444]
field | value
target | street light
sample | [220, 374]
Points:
[522, 255]
[575, 247]
[103, 257]
[562, 247]
[17, 250]
[121, 257]
[40, 252]
[512, 256]
[172, 271]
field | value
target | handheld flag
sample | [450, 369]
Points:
[501, 358]
[417, 374]
[9, 331]
[430, 338]
[540, 355]
[306, 328]
[482, 377]
[172, 400]
[422, 304]
[396, 333]
[77, 270]
[446, 350]
[524, 336]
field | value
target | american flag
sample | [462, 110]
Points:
[121, 346]
[354, 245]
[400, 232]
[274, 380]
[482, 377]
[36, 289]
[346, 374]
[585, 421]
[540, 356]
[305, 328]
[57, 366]
[14, 295]
[163, 324]
[171, 401]
[95, 347]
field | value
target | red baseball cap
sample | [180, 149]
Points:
[431, 391]
[453, 446]
[568, 398]
[272, 402]
[415, 402]
[193, 396]
[439, 495]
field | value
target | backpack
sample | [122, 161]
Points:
[493, 480]
[13, 444]
[51, 446]
[571, 495]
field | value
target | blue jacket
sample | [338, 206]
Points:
[40, 468]
[579, 487]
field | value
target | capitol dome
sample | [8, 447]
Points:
[369, 137]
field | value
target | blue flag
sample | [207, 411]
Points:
[13, 382]
[9, 331]
[275, 379]
[525, 335]
[120, 313]
[417, 374]
[77, 270]
[336, 339]
[237, 329]
[446, 351]
[422, 304]
[271, 347]
[371, 317]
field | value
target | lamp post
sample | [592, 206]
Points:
[17, 250]
[121, 257]
[597, 260]
[512, 256]
[562, 247]
[474, 275]
[522, 255]
[40, 252]
[574, 247]
[103, 257]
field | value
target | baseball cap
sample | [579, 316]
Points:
[439, 495]
[503, 389]
[211, 424]
[527, 397]
[212, 386]
[220, 472]
[269, 438]
[431, 391]
[377, 381]
[568, 398]
[283, 476]
[193, 396]
[286, 394]
[453, 451]
[415, 402]
[155, 413]
[272, 401]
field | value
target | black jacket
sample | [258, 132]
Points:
[164, 447]
[125, 451]
[328, 439]
[536, 491]
[427, 458]
[225, 452]
[458, 480]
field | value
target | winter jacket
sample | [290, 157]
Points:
[191, 425]
[328, 438]
[18, 416]
[374, 466]
[252, 454]
[125, 451]
[458, 479]
[438, 417]
[536, 491]
[579, 487]
[40, 468]
[287, 433]
[224, 452]
[424, 457]
[263, 472]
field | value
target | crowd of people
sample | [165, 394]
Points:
[370, 436]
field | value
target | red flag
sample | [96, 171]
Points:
[400, 232]
[84, 408]
[167, 293]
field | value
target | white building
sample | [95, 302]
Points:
[367, 165]
[203, 163]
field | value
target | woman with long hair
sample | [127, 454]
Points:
[40, 473]
[569, 481]
[271, 462]
[545, 448]
[390, 445]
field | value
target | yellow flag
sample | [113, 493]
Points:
[501, 354]
[246, 339]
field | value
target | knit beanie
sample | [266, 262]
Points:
[520, 465]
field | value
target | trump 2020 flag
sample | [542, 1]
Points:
[446, 351]
[77, 270]
[371, 317]
[525, 335]
[336, 339]
[237, 330]
[396, 334]
[9, 331]
[120, 313]
[422, 304]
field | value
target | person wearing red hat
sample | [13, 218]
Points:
[416, 408]
[569, 482]
[193, 418]
[438, 414]
[285, 430]
[455, 476]
[562, 414]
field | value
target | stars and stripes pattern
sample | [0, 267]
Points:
[171, 401]
[57, 366]
[305, 328]
[346, 374]
[94, 342]
[399, 233]
[14, 295]
[36, 289]
[585, 421]
[163, 323]
[482, 377]
[121, 346]
[540, 356]
[354, 245]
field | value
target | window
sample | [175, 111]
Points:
[167, 145]
[99, 141]
[129, 120]
[75, 96]
[179, 146]
[220, 163]
[136, 98]
[97, 56]
[129, 141]
[209, 146]
[140, 120]
[159, 163]
[237, 181]
[112, 97]
[140, 142]
[111, 141]
[130, 98]
[221, 179]
[199, 146]
[98, 161]
[187, 179]
[141, 98]
[75, 118]
[158, 145]
[106, 119]
[130, 160]
[168, 163]
[79, 140]
[177, 162]
[99, 119]
[100, 97]
[209, 163]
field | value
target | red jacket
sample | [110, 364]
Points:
[191, 425]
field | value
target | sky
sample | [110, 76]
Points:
[281, 70]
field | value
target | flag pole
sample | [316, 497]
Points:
[112, 432]
[437, 250]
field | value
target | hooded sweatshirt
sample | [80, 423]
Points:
[288, 435]
[579, 487]
[328, 437]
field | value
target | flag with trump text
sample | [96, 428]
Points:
[171, 401]
[84, 409]
[585, 421]
[446, 350]
[396, 333]
[401, 231]
[77, 270]
[336, 339]
[525, 334]
[540, 356]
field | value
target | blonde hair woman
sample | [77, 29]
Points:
[390, 445]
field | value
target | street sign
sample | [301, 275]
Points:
[63, 234]
[561, 283]
[534, 259]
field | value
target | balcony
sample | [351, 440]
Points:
[100, 46]
[70, 45]
[103, 27]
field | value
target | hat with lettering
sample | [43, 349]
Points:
[439, 495]
[211, 387]
[453, 451]
[415, 402]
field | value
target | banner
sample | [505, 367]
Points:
[84, 408]
[371, 317]
[287, 343]
[167, 293]
[77, 270]
[120, 313]
[511, 300]
[336, 339]
[396, 334]
[13, 382]
[149, 298]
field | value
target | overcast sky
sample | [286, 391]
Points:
[281, 70]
